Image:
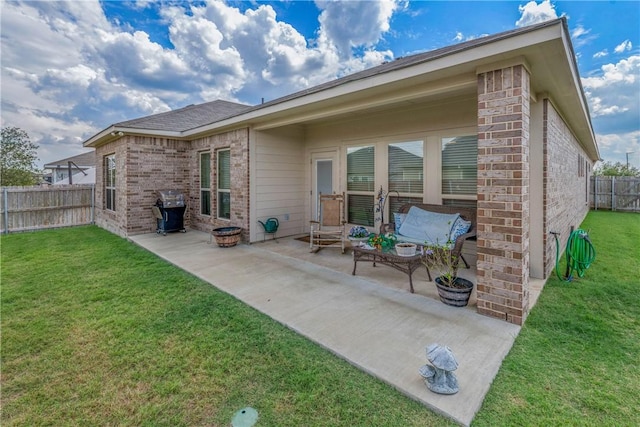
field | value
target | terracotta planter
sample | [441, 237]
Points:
[227, 236]
[455, 296]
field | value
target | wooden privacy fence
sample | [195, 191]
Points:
[34, 208]
[616, 193]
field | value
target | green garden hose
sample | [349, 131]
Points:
[579, 252]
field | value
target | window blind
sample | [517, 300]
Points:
[224, 169]
[406, 165]
[360, 209]
[460, 165]
[360, 168]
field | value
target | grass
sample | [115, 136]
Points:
[96, 331]
[576, 360]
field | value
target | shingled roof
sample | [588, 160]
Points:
[189, 117]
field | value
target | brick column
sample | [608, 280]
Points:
[503, 193]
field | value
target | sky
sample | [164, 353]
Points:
[72, 68]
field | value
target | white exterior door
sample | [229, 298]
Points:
[323, 177]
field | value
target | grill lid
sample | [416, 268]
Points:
[171, 198]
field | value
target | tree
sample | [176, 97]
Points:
[17, 158]
[615, 169]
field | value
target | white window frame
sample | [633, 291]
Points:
[110, 182]
[220, 190]
[205, 189]
[361, 179]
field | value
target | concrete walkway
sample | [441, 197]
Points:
[381, 330]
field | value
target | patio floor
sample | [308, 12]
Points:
[370, 320]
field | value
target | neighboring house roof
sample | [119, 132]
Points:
[87, 159]
[88, 176]
[544, 48]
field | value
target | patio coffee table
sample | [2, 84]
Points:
[406, 264]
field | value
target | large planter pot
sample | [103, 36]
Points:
[227, 236]
[457, 296]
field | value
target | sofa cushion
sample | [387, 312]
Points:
[428, 227]
[459, 228]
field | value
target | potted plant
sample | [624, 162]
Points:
[358, 233]
[382, 241]
[453, 290]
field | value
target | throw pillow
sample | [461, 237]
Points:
[459, 228]
[398, 219]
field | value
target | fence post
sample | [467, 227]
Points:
[613, 193]
[6, 210]
[93, 203]
[595, 192]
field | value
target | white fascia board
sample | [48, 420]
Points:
[582, 97]
[91, 142]
[107, 135]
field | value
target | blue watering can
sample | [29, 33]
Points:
[271, 225]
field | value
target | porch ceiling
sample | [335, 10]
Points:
[399, 95]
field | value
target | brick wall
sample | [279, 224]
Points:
[238, 143]
[566, 172]
[153, 164]
[144, 165]
[114, 221]
[503, 193]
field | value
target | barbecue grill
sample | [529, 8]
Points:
[169, 211]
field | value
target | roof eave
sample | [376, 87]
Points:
[114, 132]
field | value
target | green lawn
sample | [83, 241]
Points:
[577, 358]
[96, 331]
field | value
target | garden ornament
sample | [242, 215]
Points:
[439, 376]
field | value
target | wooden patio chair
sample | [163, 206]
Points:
[330, 228]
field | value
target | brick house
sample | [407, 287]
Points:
[499, 123]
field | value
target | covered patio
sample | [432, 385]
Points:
[371, 319]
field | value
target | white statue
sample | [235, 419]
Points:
[439, 376]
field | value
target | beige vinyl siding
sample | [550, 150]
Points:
[419, 122]
[280, 181]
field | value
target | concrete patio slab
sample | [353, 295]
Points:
[382, 330]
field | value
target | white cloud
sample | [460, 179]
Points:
[614, 147]
[615, 106]
[534, 13]
[624, 73]
[579, 31]
[601, 54]
[622, 47]
[581, 36]
[348, 24]
[73, 71]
